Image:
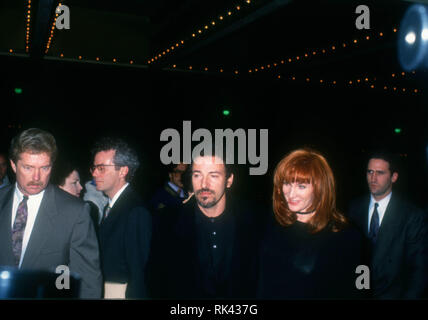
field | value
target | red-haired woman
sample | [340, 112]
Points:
[310, 252]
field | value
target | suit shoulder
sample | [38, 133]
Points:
[5, 191]
[67, 203]
[65, 197]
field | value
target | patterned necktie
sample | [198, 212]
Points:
[374, 224]
[19, 228]
[106, 211]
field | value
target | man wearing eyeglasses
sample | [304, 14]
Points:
[125, 230]
[173, 191]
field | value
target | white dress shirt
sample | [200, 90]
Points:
[380, 209]
[33, 205]
[117, 195]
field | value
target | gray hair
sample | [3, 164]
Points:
[124, 155]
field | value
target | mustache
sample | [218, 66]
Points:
[198, 192]
[33, 183]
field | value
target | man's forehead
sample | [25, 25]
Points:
[33, 157]
[105, 155]
[379, 164]
[211, 163]
[181, 166]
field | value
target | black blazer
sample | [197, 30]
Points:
[399, 262]
[63, 234]
[175, 270]
[125, 237]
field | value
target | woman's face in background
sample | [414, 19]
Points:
[72, 184]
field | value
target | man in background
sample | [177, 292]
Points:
[396, 234]
[172, 192]
[125, 229]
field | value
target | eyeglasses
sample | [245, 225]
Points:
[101, 167]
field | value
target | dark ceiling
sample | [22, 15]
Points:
[259, 32]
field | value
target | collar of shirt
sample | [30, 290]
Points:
[383, 204]
[117, 195]
[176, 188]
[33, 205]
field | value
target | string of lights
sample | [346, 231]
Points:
[99, 60]
[27, 30]
[316, 52]
[294, 59]
[48, 45]
[370, 82]
[197, 33]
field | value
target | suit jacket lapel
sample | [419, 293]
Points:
[119, 206]
[43, 226]
[6, 253]
[391, 221]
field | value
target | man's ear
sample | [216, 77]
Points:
[229, 181]
[12, 164]
[123, 172]
[394, 177]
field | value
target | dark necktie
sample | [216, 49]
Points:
[19, 228]
[106, 212]
[374, 224]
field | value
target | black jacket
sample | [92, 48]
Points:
[399, 262]
[175, 268]
[125, 237]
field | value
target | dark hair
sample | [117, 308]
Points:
[171, 167]
[229, 168]
[387, 156]
[34, 141]
[61, 171]
[124, 155]
[4, 155]
[307, 166]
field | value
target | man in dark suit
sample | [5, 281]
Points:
[125, 230]
[396, 232]
[206, 249]
[172, 192]
[41, 226]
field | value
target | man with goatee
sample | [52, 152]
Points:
[207, 249]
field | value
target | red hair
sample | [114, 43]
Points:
[307, 166]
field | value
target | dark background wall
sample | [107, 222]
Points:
[79, 102]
